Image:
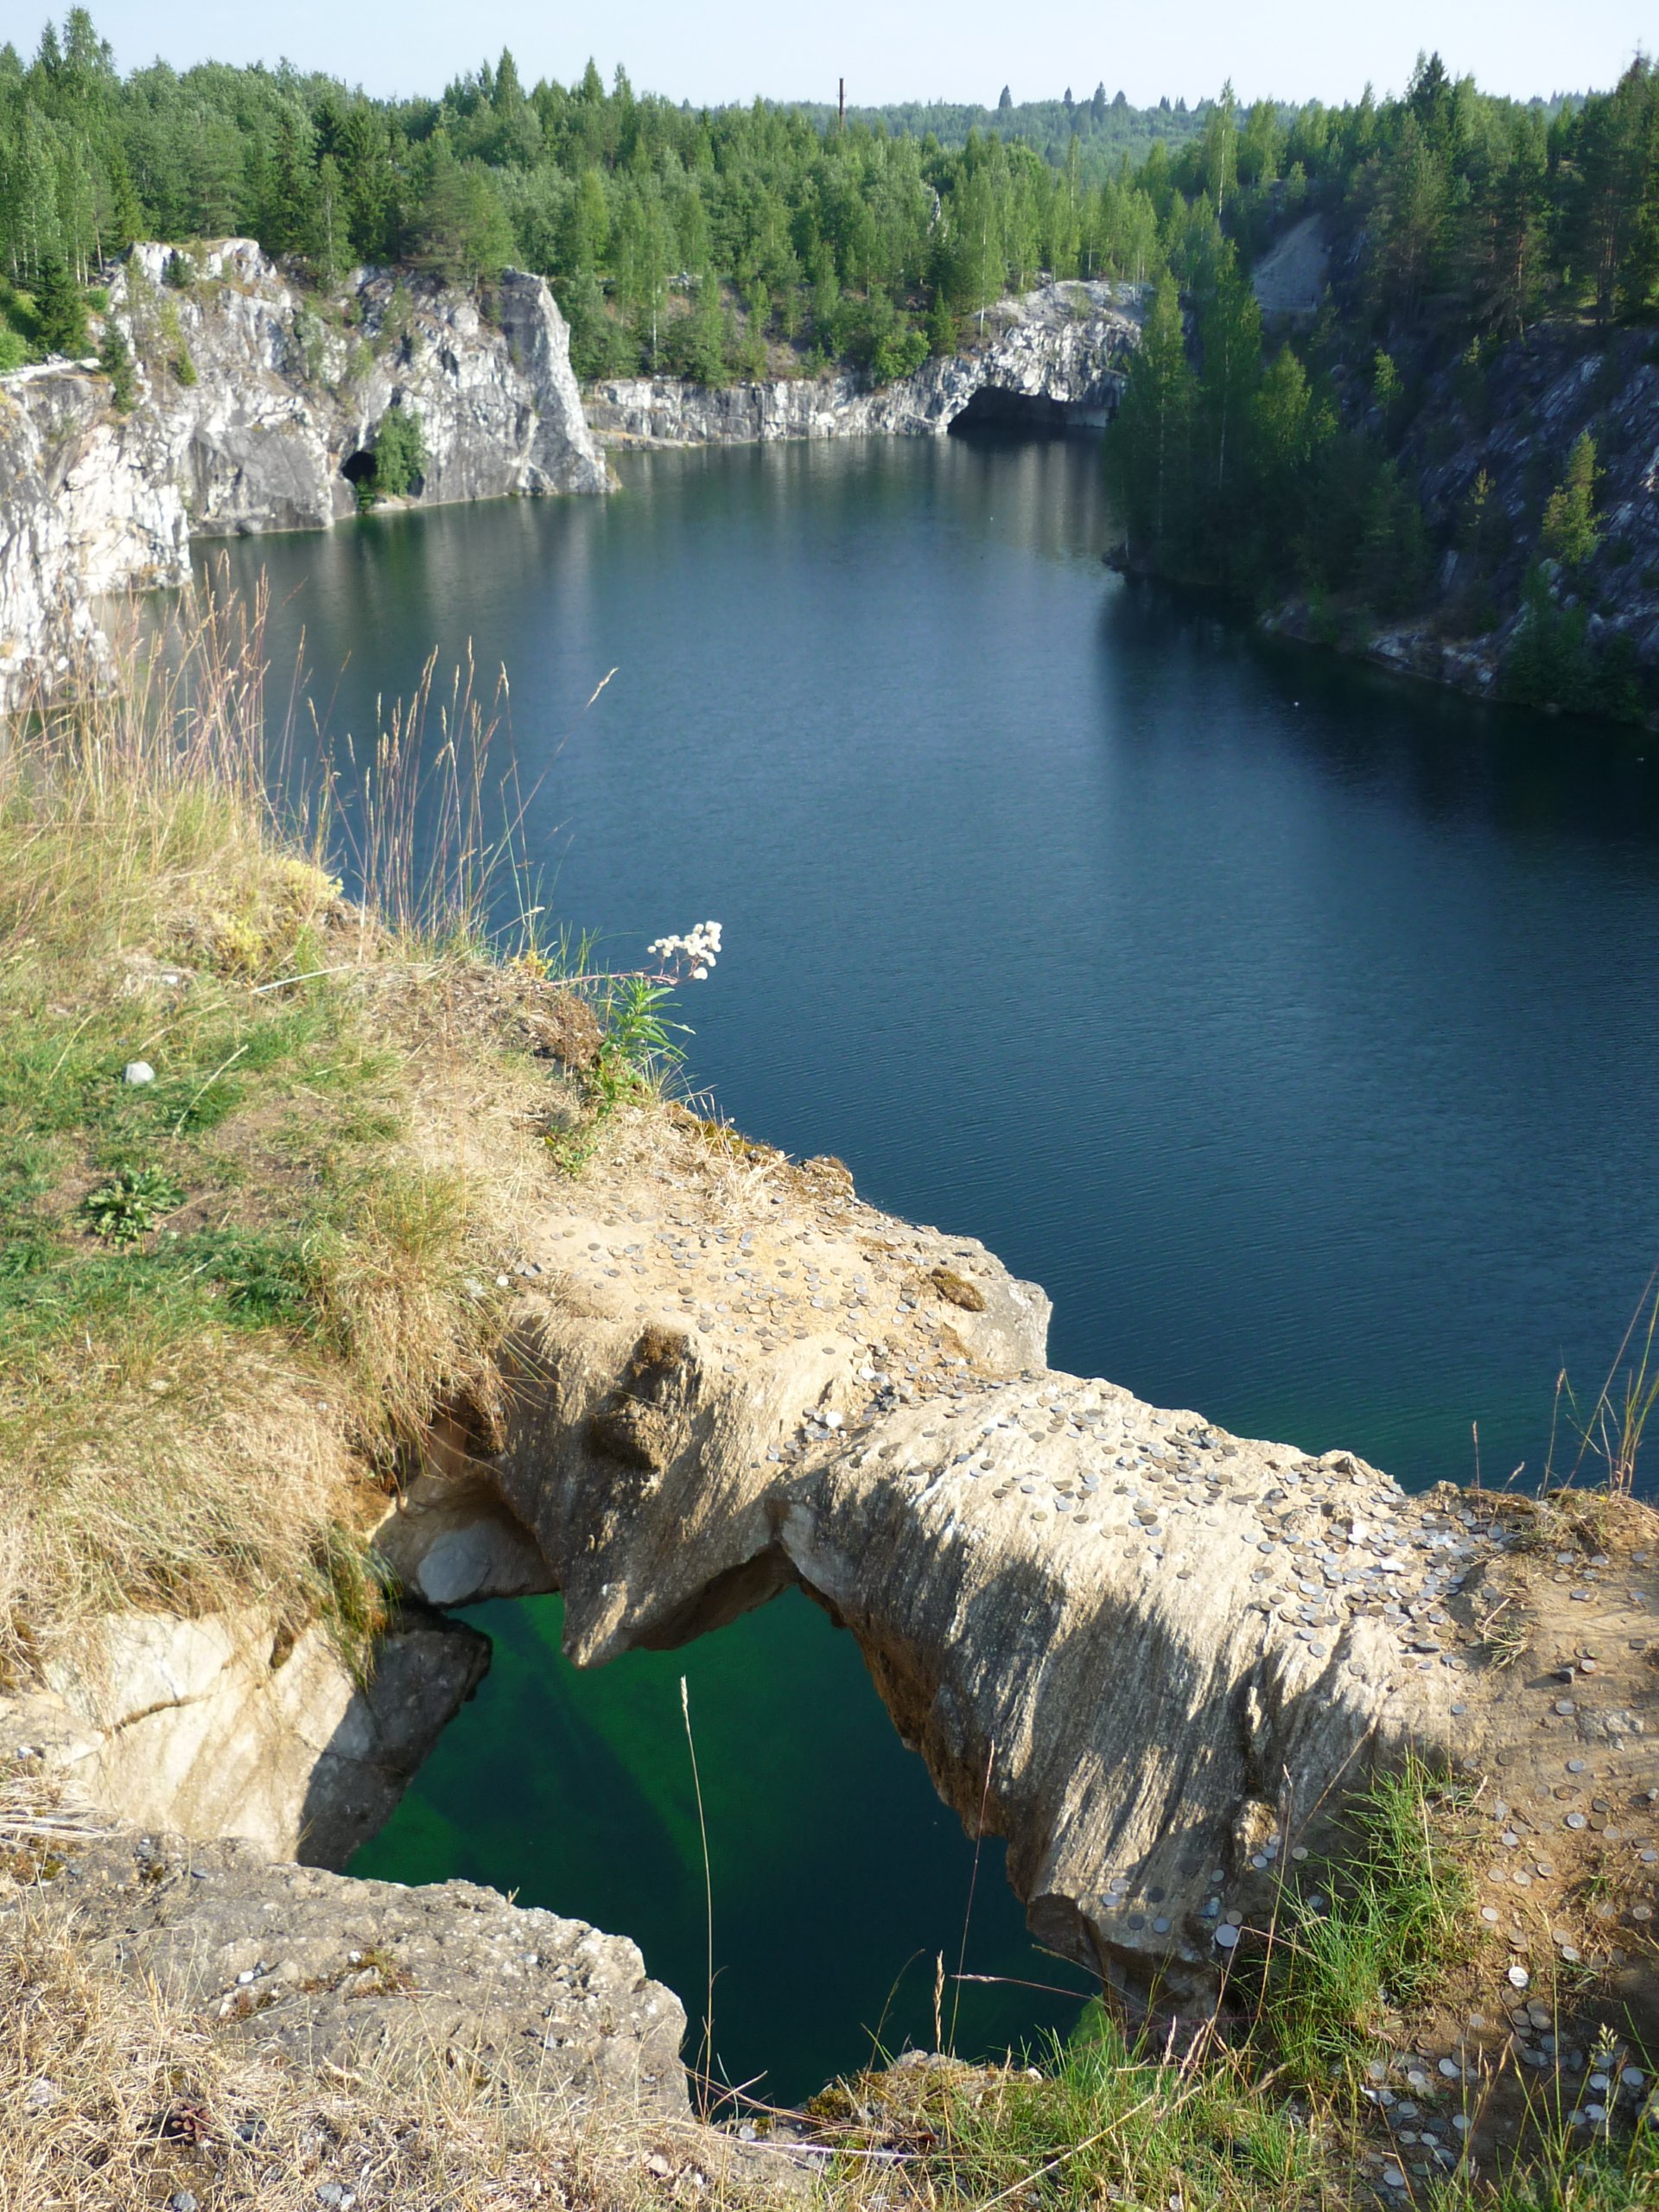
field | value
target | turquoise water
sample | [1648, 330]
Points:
[839, 1880]
[1292, 1025]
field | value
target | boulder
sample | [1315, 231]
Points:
[332, 1976]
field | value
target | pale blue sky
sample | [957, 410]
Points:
[965, 52]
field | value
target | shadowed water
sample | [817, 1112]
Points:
[1292, 1025]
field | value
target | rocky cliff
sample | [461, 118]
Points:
[1510, 430]
[224, 1726]
[1483, 434]
[1059, 354]
[257, 408]
[1149, 1653]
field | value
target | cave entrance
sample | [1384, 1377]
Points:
[359, 468]
[998, 413]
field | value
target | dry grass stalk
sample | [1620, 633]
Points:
[227, 1294]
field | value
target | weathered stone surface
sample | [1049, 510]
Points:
[328, 1973]
[52, 554]
[219, 1726]
[284, 391]
[1290, 278]
[1151, 1655]
[1063, 349]
[1155, 1654]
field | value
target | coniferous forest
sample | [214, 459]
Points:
[691, 239]
[719, 244]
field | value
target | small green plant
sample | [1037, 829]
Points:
[1569, 533]
[639, 1047]
[1394, 1912]
[132, 1204]
[638, 1052]
[184, 367]
[178, 272]
[114, 359]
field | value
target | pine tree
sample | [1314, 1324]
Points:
[290, 215]
[1569, 533]
[700, 348]
[1393, 544]
[60, 308]
[330, 236]
[943, 337]
[588, 227]
[125, 216]
[367, 183]
[1611, 184]
[1148, 442]
[114, 359]
[1411, 218]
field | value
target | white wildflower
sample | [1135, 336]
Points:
[695, 951]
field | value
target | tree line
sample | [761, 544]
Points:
[709, 239]
[699, 241]
[1457, 222]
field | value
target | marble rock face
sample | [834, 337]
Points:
[255, 402]
[1063, 350]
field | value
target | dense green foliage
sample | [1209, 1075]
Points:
[1456, 223]
[689, 239]
[679, 238]
[399, 456]
[747, 241]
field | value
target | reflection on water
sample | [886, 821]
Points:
[1289, 1023]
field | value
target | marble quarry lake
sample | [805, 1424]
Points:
[1291, 1024]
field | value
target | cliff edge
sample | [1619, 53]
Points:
[256, 407]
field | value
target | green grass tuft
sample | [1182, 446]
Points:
[1393, 1912]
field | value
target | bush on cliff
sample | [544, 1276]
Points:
[114, 359]
[1552, 661]
[399, 454]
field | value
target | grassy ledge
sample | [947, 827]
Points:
[262, 1151]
